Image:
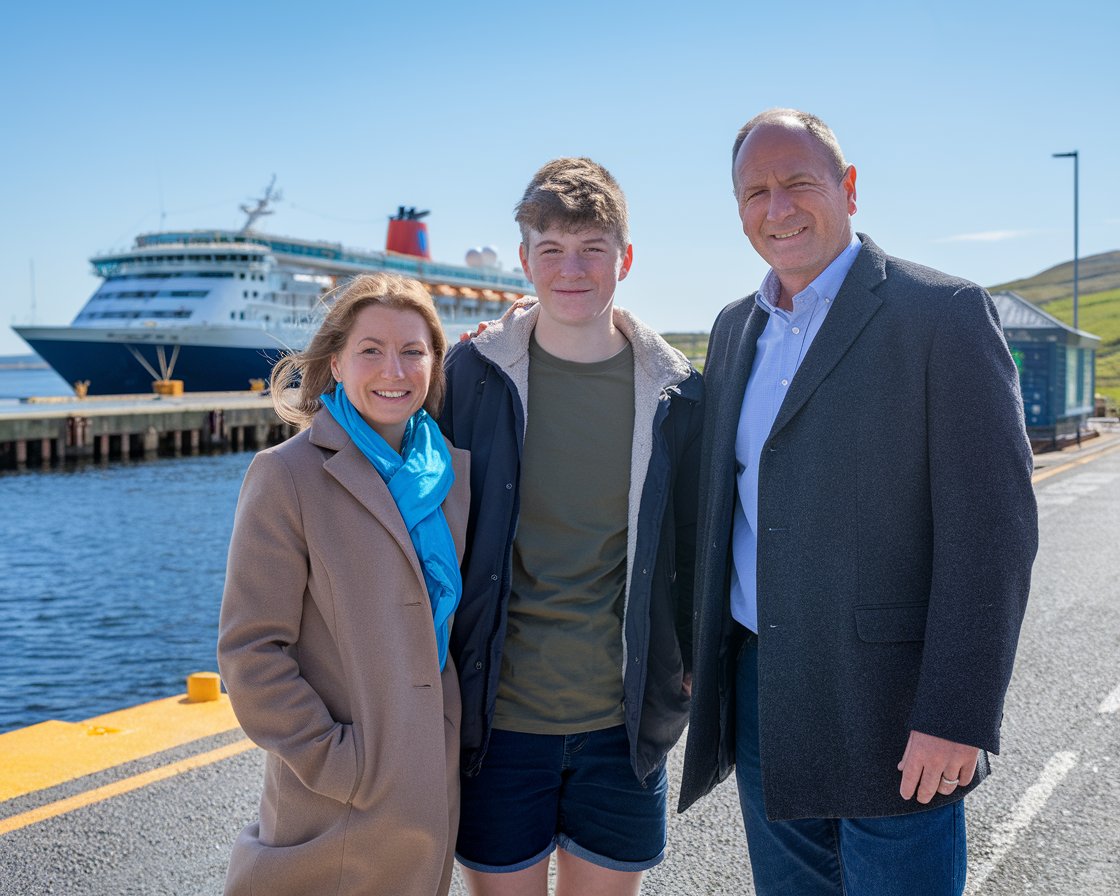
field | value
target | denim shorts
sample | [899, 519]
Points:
[576, 791]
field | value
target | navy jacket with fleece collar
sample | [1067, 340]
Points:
[484, 412]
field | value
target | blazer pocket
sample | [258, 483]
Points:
[892, 623]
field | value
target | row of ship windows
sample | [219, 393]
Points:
[160, 259]
[403, 265]
[298, 319]
[166, 294]
[179, 314]
[408, 266]
[164, 275]
[133, 315]
[413, 268]
[155, 294]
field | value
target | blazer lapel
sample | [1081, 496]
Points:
[727, 408]
[854, 306]
[740, 371]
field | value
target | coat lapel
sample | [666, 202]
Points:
[356, 474]
[854, 306]
[457, 503]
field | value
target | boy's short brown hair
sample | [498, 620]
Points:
[573, 193]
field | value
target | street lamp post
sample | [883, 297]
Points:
[1073, 155]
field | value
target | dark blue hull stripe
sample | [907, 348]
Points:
[112, 370]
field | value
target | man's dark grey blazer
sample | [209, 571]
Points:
[897, 528]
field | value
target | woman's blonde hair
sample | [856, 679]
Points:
[300, 378]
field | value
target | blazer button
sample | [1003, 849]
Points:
[494, 578]
[478, 665]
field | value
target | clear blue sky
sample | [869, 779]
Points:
[123, 116]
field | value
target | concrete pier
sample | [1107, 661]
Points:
[42, 433]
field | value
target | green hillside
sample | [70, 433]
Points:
[1098, 307]
[1097, 273]
[693, 346]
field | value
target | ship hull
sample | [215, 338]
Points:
[112, 368]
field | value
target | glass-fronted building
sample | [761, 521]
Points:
[1057, 368]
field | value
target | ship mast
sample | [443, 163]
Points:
[261, 208]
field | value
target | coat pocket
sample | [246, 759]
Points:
[296, 848]
[883, 624]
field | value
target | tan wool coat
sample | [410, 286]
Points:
[328, 652]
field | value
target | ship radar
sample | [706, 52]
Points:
[261, 208]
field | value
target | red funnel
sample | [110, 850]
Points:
[408, 238]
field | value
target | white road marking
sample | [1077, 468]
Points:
[1071, 488]
[1067, 491]
[1082, 482]
[1111, 703]
[1004, 833]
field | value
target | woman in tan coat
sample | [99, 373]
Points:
[342, 576]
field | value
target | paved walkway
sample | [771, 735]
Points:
[148, 800]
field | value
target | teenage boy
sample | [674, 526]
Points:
[573, 637]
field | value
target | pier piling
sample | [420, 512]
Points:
[51, 433]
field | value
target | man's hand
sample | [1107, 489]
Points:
[468, 335]
[933, 765]
[516, 306]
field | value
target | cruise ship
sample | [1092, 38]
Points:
[215, 309]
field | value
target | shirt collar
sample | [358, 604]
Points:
[826, 285]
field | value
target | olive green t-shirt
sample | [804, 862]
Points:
[562, 660]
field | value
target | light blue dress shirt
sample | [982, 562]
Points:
[779, 352]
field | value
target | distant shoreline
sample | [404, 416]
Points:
[23, 362]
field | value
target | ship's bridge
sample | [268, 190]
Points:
[179, 258]
[176, 280]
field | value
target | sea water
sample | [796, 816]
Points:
[25, 375]
[110, 578]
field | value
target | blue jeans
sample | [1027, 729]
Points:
[920, 854]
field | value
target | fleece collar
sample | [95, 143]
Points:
[658, 366]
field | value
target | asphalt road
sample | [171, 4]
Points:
[1046, 822]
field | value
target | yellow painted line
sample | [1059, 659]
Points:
[51, 753]
[99, 794]
[1053, 471]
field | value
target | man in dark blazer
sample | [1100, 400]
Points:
[867, 529]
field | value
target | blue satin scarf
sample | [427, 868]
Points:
[419, 479]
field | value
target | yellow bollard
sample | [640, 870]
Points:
[203, 687]
[168, 387]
